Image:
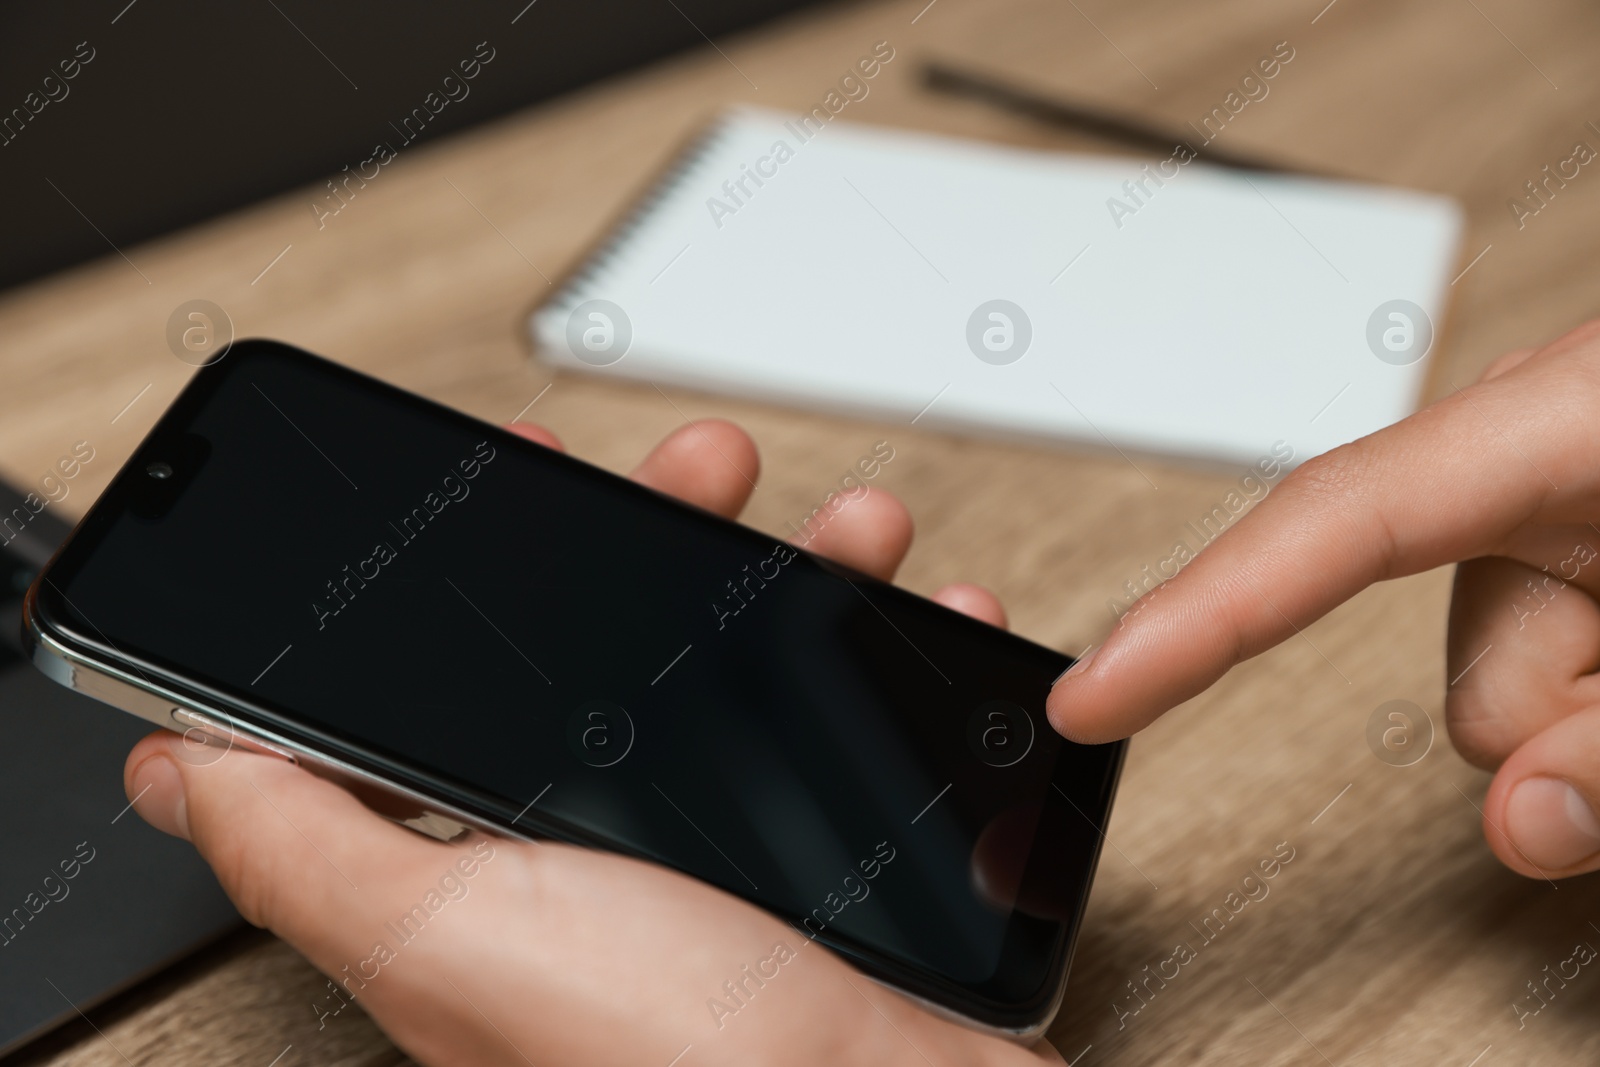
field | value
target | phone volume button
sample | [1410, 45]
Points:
[227, 734]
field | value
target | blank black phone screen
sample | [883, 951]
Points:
[562, 651]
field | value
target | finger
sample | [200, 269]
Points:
[870, 531]
[1443, 485]
[1539, 816]
[1522, 649]
[537, 434]
[973, 600]
[711, 463]
[295, 854]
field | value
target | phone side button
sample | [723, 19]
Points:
[219, 733]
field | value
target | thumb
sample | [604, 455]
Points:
[295, 854]
[1540, 816]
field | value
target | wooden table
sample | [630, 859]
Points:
[1393, 936]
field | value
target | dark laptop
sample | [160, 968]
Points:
[91, 899]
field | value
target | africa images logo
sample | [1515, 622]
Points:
[341, 590]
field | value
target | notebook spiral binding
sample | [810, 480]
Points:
[667, 182]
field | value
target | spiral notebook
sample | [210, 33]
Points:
[1168, 307]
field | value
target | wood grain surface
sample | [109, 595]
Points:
[1392, 936]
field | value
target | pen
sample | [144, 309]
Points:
[1123, 129]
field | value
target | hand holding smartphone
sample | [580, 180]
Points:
[472, 631]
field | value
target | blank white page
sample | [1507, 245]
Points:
[1210, 316]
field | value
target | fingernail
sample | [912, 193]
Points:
[1552, 824]
[1083, 662]
[158, 795]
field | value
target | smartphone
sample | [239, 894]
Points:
[472, 631]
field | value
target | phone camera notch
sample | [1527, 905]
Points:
[153, 485]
